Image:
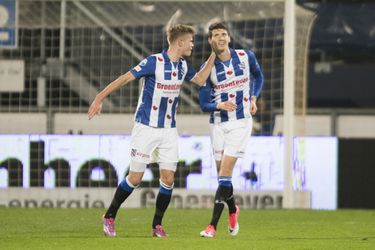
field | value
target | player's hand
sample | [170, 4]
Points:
[253, 106]
[95, 108]
[227, 105]
[214, 48]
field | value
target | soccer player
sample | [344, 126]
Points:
[154, 136]
[234, 84]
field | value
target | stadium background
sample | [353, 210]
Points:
[56, 55]
[69, 50]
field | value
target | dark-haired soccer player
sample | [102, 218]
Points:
[154, 136]
[230, 83]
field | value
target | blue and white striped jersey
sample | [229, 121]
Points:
[237, 80]
[162, 81]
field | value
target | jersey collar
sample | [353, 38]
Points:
[167, 59]
[232, 54]
[165, 55]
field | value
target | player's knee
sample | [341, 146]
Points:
[134, 179]
[167, 176]
[167, 180]
[224, 172]
[166, 188]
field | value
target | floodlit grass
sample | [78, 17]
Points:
[259, 229]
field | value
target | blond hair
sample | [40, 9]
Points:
[178, 30]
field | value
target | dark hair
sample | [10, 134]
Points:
[216, 26]
[177, 30]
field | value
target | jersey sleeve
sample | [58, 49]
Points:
[205, 98]
[256, 73]
[145, 68]
[190, 73]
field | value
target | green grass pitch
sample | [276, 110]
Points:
[259, 229]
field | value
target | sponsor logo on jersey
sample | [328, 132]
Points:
[168, 86]
[232, 84]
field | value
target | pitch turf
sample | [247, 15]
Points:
[259, 229]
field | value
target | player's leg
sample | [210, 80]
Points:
[230, 202]
[123, 191]
[140, 157]
[223, 193]
[225, 190]
[163, 199]
[236, 141]
[217, 141]
[228, 165]
[167, 156]
[225, 178]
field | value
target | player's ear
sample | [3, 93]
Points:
[209, 40]
[181, 43]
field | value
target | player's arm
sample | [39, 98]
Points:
[201, 77]
[258, 78]
[208, 105]
[96, 105]
[145, 68]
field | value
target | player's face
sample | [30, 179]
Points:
[186, 44]
[220, 40]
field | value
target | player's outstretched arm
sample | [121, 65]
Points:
[96, 105]
[201, 77]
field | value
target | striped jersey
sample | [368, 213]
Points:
[236, 80]
[162, 80]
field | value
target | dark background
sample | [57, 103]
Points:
[342, 54]
[341, 74]
[356, 173]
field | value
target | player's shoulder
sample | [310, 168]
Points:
[156, 57]
[250, 55]
[240, 51]
[244, 52]
[148, 61]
